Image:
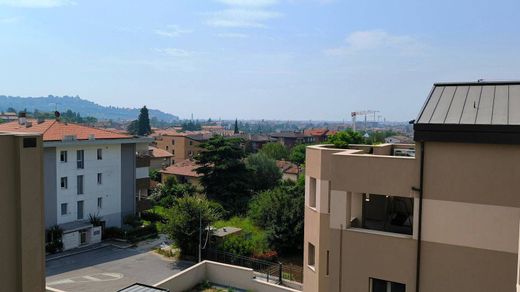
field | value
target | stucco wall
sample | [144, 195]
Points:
[50, 190]
[128, 183]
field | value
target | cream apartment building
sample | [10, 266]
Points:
[182, 145]
[440, 215]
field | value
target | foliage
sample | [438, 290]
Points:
[132, 220]
[54, 241]
[344, 138]
[298, 154]
[153, 216]
[379, 136]
[191, 126]
[144, 128]
[250, 241]
[264, 170]
[133, 127]
[225, 176]
[275, 151]
[165, 193]
[132, 235]
[155, 175]
[183, 221]
[95, 220]
[236, 131]
[281, 212]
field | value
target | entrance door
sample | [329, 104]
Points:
[83, 237]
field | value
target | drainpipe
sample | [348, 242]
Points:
[419, 225]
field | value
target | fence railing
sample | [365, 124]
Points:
[269, 271]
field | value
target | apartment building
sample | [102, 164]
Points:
[87, 172]
[182, 145]
[440, 215]
[21, 188]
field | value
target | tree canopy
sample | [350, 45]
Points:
[275, 151]
[344, 138]
[297, 154]
[144, 127]
[183, 220]
[264, 171]
[225, 176]
[281, 212]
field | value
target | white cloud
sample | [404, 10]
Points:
[9, 20]
[36, 3]
[174, 52]
[242, 18]
[172, 31]
[361, 41]
[249, 3]
[232, 35]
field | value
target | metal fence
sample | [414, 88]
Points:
[269, 271]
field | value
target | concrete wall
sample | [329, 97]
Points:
[128, 183]
[50, 187]
[21, 187]
[221, 274]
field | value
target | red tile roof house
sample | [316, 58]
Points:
[87, 171]
[159, 158]
[290, 171]
[320, 135]
[184, 171]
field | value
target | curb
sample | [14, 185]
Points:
[78, 252]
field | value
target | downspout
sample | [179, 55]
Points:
[419, 225]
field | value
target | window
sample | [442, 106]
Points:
[173, 142]
[312, 192]
[388, 213]
[29, 142]
[173, 151]
[80, 157]
[63, 156]
[100, 202]
[63, 182]
[167, 148]
[80, 210]
[99, 154]
[191, 143]
[80, 184]
[64, 209]
[327, 267]
[311, 261]
[377, 285]
[99, 178]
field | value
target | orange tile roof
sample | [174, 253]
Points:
[53, 130]
[159, 153]
[185, 168]
[315, 132]
[287, 167]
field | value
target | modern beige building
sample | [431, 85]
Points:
[22, 254]
[440, 215]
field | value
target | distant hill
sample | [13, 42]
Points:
[76, 104]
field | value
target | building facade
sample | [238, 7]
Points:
[88, 172]
[182, 146]
[446, 219]
[21, 187]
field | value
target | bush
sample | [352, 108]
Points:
[54, 239]
[113, 232]
[251, 240]
[153, 217]
[133, 221]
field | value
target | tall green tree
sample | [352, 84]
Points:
[144, 127]
[236, 131]
[183, 221]
[225, 176]
[133, 127]
[281, 212]
[264, 170]
[275, 151]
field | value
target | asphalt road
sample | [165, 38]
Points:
[109, 269]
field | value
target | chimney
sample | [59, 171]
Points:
[57, 115]
[22, 118]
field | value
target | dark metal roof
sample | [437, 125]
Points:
[138, 287]
[482, 112]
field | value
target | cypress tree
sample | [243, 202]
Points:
[144, 128]
[236, 127]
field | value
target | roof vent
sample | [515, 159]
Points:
[40, 120]
[22, 118]
[28, 124]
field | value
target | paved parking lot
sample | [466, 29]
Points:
[109, 269]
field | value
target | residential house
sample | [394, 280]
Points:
[290, 139]
[254, 142]
[8, 116]
[159, 158]
[184, 171]
[22, 251]
[320, 135]
[446, 219]
[289, 170]
[182, 145]
[399, 139]
[87, 171]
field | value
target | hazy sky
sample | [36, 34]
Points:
[272, 59]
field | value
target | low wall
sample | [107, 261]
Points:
[221, 274]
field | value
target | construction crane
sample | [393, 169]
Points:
[362, 113]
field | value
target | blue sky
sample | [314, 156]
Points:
[272, 59]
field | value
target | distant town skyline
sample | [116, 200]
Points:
[255, 59]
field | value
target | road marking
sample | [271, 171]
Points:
[102, 277]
